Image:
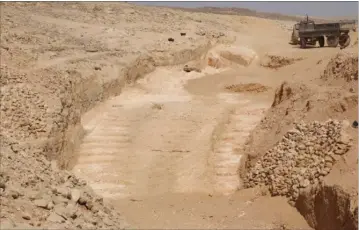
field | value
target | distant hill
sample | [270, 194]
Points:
[243, 12]
[254, 13]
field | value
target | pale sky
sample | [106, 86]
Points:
[314, 9]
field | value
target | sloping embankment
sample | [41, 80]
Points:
[135, 70]
[41, 120]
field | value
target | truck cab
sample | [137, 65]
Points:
[309, 24]
[295, 35]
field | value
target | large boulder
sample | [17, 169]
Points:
[227, 55]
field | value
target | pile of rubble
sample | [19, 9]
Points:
[276, 62]
[34, 193]
[302, 158]
[342, 66]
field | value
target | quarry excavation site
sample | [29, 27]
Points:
[119, 116]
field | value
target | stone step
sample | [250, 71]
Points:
[91, 150]
[106, 139]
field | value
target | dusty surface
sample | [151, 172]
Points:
[171, 132]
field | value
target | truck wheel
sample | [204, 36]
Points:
[344, 41]
[321, 41]
[332, 41]
[303, 43]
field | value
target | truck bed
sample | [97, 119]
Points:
[324, 29]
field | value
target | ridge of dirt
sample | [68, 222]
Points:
[276, 62]
[250, 87]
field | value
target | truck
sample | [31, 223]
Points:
[307, 32]
[310, 33]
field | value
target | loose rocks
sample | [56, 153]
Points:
[250, 87]
[302, 158]
[276, 62]
[342, 66]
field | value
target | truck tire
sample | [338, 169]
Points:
[332, 41]
[344, 40]
[321, 41]
[303, 43]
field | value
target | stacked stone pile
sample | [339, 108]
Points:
[302, 158]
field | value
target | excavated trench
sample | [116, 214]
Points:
[156, 137]
[165, 141]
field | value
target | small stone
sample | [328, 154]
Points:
[75, 195]
[328, 164]
[82, 201]
[55, 218]
[108, 221]
[2, 185]
[64, 192]
[328, 159]
[89, 205]
[339, 152]
[95, 209]
[41, 203]
[301, 147]
[304, 183]
[99, 200]
[59, 200]
[71, 211]
[50, 205]
[325, 171]
[97, 68]
[171, 39]
[26, 216]
[14, 194]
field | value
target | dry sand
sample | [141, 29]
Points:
[99, 91]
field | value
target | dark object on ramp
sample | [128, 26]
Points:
[355, 124]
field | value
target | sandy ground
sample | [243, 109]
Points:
[161, 145]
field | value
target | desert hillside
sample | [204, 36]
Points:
[115, 115]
